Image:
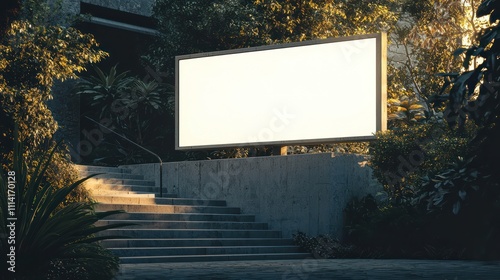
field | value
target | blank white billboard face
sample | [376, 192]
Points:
[301, 93]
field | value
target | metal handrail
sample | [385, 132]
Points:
[132, 142]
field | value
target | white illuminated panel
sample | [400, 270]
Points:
[308, 92]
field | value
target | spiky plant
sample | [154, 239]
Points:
[49, 242]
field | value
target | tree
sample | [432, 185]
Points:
[470, 188]
[33, 54]
[424, 40]
[201, 26]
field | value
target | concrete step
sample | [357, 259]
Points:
[107, 192]
[131, 199]
[100, 186]
[96, 194]
[127, 182]
[206, 258]
[172, 229]
[101, 169]
[153, 208]
[183, 217]
[185, 225]
[182, 251]
[190, 233]
[111, 175]
[197, 242]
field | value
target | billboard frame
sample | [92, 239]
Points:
[381, 91]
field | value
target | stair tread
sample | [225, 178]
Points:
[188, 229]
[228, 255]
[167, 221]
[160, 198]
[225, 255]
[189, 214]
[203, 247]
[153, 199]
[168, 205]
[203, 239]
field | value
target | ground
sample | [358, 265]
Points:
[312, 269]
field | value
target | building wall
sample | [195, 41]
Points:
[65, 108]
[140, 7]
[306, 193]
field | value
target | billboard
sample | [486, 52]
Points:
[331, 90]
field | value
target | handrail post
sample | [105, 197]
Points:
[161, 179]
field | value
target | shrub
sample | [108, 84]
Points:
[327, 247]
[400, 230]
[400, 158]
[470, 188]
[46, 234]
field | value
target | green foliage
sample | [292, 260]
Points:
[405, 111]
[9, 9]
[450, 170]
[352, 148]
[408, 230]
[402, 157]
[470, 188]
[45, 233]
[105, 92]
[201, 26]
[292, 21]
[61, 171]
[401, 230]
[130, 107]
[94, 262]
[431, 32]
[197, 26]
[327, 247]
[32, 57]
[387, 229]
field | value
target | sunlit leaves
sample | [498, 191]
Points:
[288, 21]
[45, 54]
[200, 26]
[31, 59]
[405, 109]
[473, 95]
[426, 37]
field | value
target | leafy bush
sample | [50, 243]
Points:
[134, 108]
[100, 264]
[46, 234]
[327, 247]
[470, 188]
[401, 230]
[402, 157]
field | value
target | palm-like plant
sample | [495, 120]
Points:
[144, 101]
[47, 236]
[106, 90]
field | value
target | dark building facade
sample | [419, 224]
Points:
[123, 28]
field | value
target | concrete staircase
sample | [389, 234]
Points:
[171, 229]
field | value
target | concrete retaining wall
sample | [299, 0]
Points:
[292, 193]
